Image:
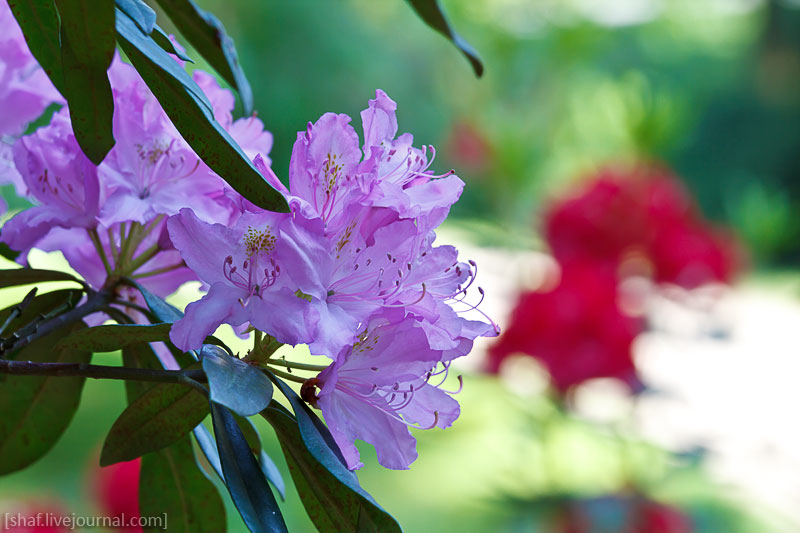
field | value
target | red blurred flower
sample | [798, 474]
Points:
[116, 490]
[577, 330]
[652, 517]
[645, 214]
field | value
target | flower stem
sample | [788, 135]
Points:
[99, 247]
[157, 271]
[30, 368]
[286, 375]
[298, 366]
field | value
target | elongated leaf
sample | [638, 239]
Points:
[160, 308]
[272, 473]
[139, 355]
[207, 35]
[110, 337]
[87, 48]
[209, 448]
[143, 15]
[351, 504]
[243, 388]
[38, 20]
[35, 311]
[23, 276]
[268, 466]
[243, 477]
[172, 485]
[431, 12]
[157, 418]
[192, 115]
[37, 409]
[332, 504]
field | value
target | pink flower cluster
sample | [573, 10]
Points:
[618, 224]
[352, 270]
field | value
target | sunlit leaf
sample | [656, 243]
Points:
[38, 20]
[35, 410]
[172, 485]
[191, 113]
[431, 12]
[157, 418]
[207, 35]
[88, 43]
[245, 481]
[241, 387]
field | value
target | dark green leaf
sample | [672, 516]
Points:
[272, 473]
[333, 501]
[246, 483]
[431, 12]
[139, 355]
[38, 20]
[267, 464]
[338, 494]
[235, 384]
[7, 252]
[111, 337]
[23, 276]
[192, 115]
[143, 15]
[171, 484]
[38, 309]
[163, 40]
[207, 35]
[87, 47]
[37, 409]
[157, 418]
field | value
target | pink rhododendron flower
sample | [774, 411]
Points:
[247, 267]
[59, 178]
[379, 387]
[25, 92]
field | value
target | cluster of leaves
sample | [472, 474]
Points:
[46, 348]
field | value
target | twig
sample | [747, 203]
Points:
[30, 368]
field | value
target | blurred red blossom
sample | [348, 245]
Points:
[577, 329]
[115, 488]
[634, 513]
[646, 217]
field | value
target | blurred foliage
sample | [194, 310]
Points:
[710, 87]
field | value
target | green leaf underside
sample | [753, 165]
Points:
[154, 420]
[23, 276]
[36, 410]
[88, 43]
[191, 113]
[237, 385]
[317, 440]
[246, 482]
[332, 505]
[432, 14]
[207, 35]
[171, 484]
[143, 15]
[38, 20]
